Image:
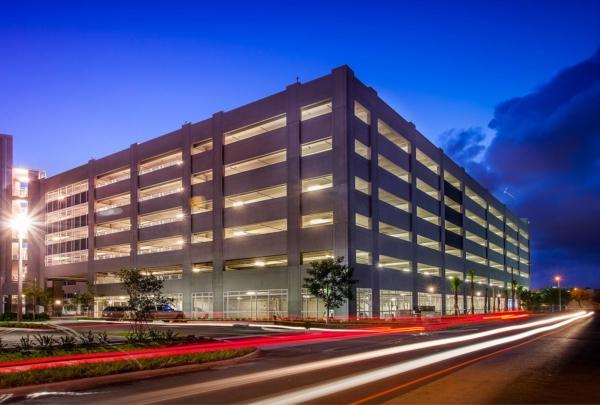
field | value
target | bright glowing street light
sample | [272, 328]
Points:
[557, 279]
[21, 224]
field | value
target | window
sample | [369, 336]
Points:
[315, 110]
[453, 228]
[362, 185]
[160, 245]
[157, 163]
[496, 231]
[317, 183]
[67, 257]
[427, 189]
[451, 179]
[106, 228]
[256, 262]
[428, 270]
[362, 150]
[364, 299]
[477, 239]
[475, 218]
[496, 265]
[363, 257]
[255, 129]
[255, 163]
[395, 303]
[323, 218]
[160, 190]
[475, 197]
[202, 177]
[269, 193]
[496, 248]
[428, 243]
[393, 168]
[261, 228]
[511, 240]
[452, 204]
[202, 267]
[200, 205]
[112, 177]
[511, 225]
[113, 202]
[256, 304]
[476, 258]
[308, 257]
[390, 230]
[202, 147]
[202, 305]
[428, 216]
[453, 251]
[314, 147]
[427, 162]
[496, 213]
[362, 221]
[160, 217]
[110, 252]
[393, 136]
[388, 262]
[394, 200]
[202, 237]
[362, 113]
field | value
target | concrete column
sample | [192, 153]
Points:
[464, 253]
[186, 223]
[134, 207]
[413, 222]
[91, 220]
[373, 103]
[342, 172]
[217, 244]
[294, 192]
[442, 186]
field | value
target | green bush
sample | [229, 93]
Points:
[12, 316]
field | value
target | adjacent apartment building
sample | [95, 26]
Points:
[231, 210]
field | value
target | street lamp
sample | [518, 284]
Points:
[557, 279]
[20, 224]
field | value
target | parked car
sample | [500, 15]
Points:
[117, 313]
[164, 313]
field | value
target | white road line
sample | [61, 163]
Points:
[322, 390]
[237, 381]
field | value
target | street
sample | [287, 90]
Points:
[536, 360]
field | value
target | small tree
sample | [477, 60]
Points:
[145, 291]
[331, 281]
[86, 298]
[455, 283]
[513, 288]
[471, 275]
[520, 289]
[39, 295]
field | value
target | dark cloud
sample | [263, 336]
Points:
[547, 151]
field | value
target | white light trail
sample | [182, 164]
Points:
[237, 381]
[343, 384]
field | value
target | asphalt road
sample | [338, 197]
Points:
[557, 366]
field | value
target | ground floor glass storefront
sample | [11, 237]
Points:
[258, 304]
[202, 305]
[431, 300]
[395, 303]
[450, 304]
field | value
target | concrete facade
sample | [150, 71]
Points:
[227, 250]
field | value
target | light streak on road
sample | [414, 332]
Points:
[322, 390]
[227, 383]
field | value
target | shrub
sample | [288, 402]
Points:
[87, 339]
[45, 342]
[67, 342]
[2, 345]
[102, 338]
[170, 335]
[25, 345]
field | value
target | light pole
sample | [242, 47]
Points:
[557, 279]
[20, 224]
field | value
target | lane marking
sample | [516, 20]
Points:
[237, 381]
[342, 384]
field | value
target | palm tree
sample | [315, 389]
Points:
[455, 283]
[513, 286]
[506, 299]
[471, 275]
[520, 293]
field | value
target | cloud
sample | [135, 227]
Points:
[547, 151]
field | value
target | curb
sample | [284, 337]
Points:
[93, 382]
